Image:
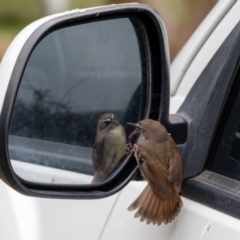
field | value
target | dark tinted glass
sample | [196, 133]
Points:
[226, 157]
[73, 76]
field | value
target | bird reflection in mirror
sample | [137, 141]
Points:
[109, 146]
[160, 164]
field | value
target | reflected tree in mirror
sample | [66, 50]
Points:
[75, 75]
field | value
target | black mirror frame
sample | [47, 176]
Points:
[158, 107]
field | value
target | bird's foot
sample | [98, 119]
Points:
[128, 148]
[131, 136]
[136, 153]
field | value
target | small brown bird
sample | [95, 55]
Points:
[109, 146]
[160, 164]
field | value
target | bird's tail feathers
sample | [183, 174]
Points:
[153, 209]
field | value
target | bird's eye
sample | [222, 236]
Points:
[106, 122]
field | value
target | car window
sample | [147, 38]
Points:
[226, 157]
[235, 152]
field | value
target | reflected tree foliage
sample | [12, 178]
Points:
[47, 119]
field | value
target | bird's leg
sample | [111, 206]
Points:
[130, 139]
[138, 158]
[128, 148]
[127, 151]
[136, 154]
[131, 136]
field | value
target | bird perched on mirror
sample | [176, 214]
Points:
[160, 164]
[109, 146]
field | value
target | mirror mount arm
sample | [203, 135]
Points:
[178, 128]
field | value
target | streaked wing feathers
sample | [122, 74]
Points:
[153, 166]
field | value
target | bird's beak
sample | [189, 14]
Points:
[112, 119]
[134, 125]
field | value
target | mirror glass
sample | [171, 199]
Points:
[81, 85]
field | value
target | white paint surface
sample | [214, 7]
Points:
[42, 219]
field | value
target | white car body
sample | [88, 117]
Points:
[36, 218]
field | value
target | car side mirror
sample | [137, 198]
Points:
[65, 79]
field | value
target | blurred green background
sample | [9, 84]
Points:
[181, 17]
